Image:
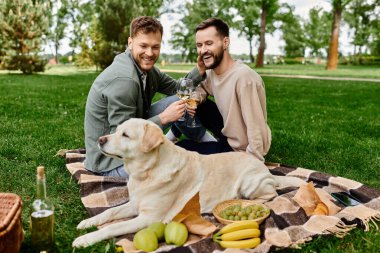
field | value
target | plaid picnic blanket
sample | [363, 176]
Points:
[287, 226]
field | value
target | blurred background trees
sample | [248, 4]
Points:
[97, 30]
[24, 24]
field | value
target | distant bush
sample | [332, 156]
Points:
[368, 60]
[297, 60]
[28, 64]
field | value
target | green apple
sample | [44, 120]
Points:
[145, 240]
[159, 229]
[176, 233]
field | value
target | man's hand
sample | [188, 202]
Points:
[190, 111]
[200, 65]
[173, 112]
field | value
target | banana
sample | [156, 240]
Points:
[238, 225]
[242, 244]
[239, 234]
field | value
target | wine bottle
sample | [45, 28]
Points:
[42, 217]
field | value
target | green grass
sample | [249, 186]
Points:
[330, 126]
[312, 70]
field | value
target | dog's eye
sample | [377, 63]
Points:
[125, 135]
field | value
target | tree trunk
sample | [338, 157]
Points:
[260, 55]
[250, 51]
[56, 46]
[332, 60]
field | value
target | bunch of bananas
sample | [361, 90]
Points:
[239, 234]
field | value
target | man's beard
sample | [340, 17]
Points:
[218, 57]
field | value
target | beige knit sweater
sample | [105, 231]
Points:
[240, 96]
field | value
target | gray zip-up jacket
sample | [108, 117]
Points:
[116, 96]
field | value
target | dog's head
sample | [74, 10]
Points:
[132, 139]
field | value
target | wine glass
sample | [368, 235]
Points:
[193, 102]
[183, 91]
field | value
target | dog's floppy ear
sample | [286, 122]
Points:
[152, 138]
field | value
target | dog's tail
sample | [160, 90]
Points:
[288, 181]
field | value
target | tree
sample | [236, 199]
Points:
[317, 31]
[374, 40]
[59, 24]
[332, 59]
[78, 14]
[248, 25]
[268, 10]
[292, 33]
[113, 18]
[358, 16]
[23, 24]
[195, 12]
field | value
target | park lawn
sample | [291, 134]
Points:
[297, 69]
[329, 126]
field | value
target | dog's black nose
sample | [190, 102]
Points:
[102, 140]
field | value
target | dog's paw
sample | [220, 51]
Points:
[81, 242]
[86, 224]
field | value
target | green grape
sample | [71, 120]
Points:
[255, 208]
[248, 209]
[251, 216]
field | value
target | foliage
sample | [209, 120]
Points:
[357, 15]
[363, 18]
[194, 13]
[110, 30]
[317, 31]
[360, 60]
[23, 26]
[374, 44]
[84, 58]
[248, 23]
[78, 15]
[58, 24]
[268, 10]
[292, 33]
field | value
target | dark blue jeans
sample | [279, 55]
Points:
[209, 116]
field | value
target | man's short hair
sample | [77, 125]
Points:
[220, 26]
[145, 24]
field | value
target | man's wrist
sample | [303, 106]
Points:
[162, 119]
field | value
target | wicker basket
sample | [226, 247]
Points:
[11, 233]
[243, 202]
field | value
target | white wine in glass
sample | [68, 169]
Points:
[193, 103]
[183, 91]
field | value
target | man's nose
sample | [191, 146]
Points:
[149, 51]
[102, 140]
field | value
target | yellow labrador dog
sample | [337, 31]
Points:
[164, 177]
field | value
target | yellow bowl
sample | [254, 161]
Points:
[243, 202]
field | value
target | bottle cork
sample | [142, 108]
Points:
[40, 172]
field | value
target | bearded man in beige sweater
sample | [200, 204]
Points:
[239, 118]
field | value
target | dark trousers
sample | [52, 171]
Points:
[210, 117]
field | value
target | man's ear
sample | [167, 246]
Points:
[130, 43]
[226, 43]
[152, 138]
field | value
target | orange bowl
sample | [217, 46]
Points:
[243, 202]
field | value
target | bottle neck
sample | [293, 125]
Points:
[41, 188]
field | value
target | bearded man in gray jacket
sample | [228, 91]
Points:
[125, 90]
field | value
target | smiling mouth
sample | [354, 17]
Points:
[206, 57]
[148, 60]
